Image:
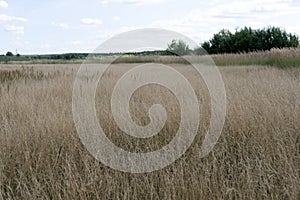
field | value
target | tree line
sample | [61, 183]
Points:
[248, 40]
[243, 40]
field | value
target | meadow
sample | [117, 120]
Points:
[256, 157]
[282, 58]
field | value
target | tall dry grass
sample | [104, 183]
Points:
[282, 58]
[256, 157]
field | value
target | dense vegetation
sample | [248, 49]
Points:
[78, 56]
[249, 40]
[256, 157]
[282, 58]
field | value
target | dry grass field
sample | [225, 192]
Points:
[256, 157]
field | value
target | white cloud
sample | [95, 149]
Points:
[91, 21]
[61, 25]
[253, 8]
[76, 42]
[3, 4]
[133, 2]
[202, 24]
[45, 46]
[14, 29]
[106, 34]
[5, 17]
[116, 18]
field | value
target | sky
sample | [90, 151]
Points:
[64, 26]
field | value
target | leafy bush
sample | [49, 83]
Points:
[249, 40]
[9, 53]
[179, 48]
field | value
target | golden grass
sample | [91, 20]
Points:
[256, 157]
[282, 58]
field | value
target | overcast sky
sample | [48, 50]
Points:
[59, 26]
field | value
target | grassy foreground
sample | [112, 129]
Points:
[256, 157]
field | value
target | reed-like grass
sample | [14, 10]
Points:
[28, 73]
[282, 58]
[256, 157]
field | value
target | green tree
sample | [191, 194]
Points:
[9, 53]
[247, 40]
[220, 43]
[199, 51]
[206, 45]
[179, 48]
[293, 41]
[243, 41]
